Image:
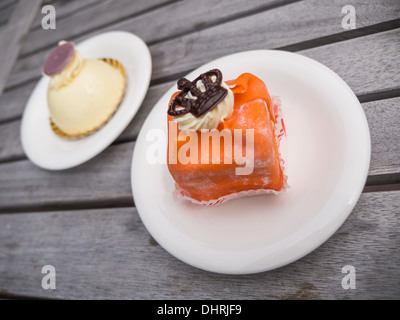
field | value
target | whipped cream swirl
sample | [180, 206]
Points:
[211, 119]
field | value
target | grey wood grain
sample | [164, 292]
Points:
[13, 34]
[86, 17]
[6, 3]
[109, 254]
[169, 20]
[10, 143]
[64, 9]
[372, 54]
[308, 20]
[104, 179]
[12, 102]
[6, 11]
[383, 120]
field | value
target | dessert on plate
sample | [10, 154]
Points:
[224, 139]
[83, 94]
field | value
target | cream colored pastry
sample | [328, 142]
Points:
[84, 95]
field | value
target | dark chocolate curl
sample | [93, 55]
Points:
[204, 101]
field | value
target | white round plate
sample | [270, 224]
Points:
[44, 148]
[328, 147]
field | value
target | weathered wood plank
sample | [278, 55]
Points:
[13, 34]
[85, 18]
[64, 9]
[382, 50]
[187, 16]
[6, 11]
[12, 103]
[10, 143]
[308, 20]
[383, 119]
[28, 186]
[108, 254]
[6, 3]
[375, 55]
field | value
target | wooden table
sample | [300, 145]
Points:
[83, 221]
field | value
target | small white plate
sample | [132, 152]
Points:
[328, 146]
[44, 148]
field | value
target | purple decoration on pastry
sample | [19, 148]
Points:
[58, 59]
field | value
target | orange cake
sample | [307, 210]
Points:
[223, 140]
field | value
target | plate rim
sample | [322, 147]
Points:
[92, 41]
[340, 217]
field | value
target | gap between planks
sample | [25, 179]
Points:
[122, 202]
[86, 32]
[243, 14]
[305, 45]
[5, 295]
[343, 36]
[382, 188]
[127, 202]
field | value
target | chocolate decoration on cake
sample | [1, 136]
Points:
[203, 102]
[58, 59]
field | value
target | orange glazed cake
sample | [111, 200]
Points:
[223, 139]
